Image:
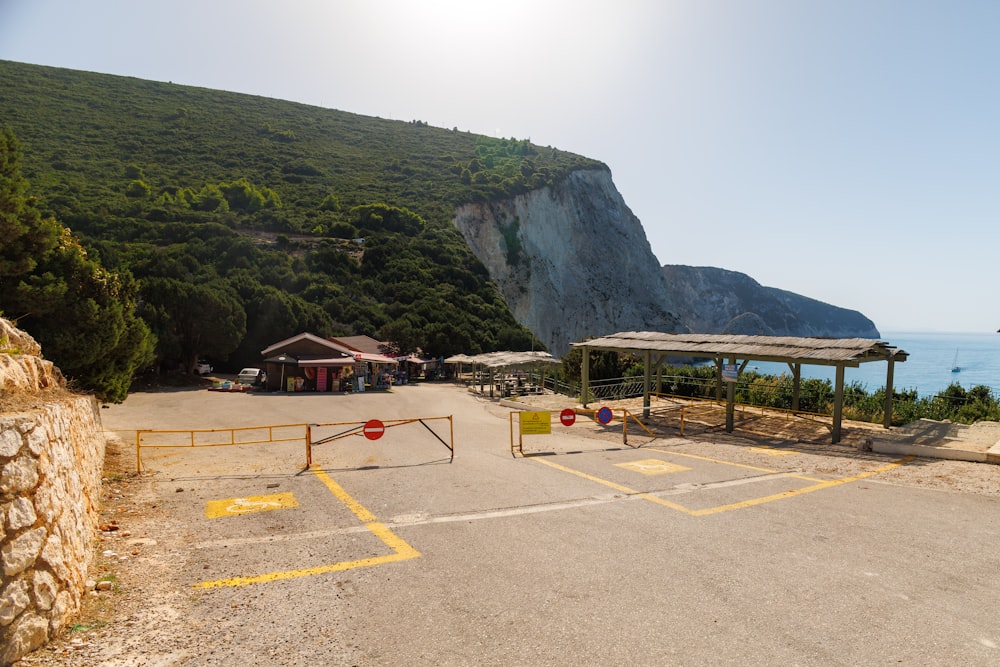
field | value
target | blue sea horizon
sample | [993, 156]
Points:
[928, 368]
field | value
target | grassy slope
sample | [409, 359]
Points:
[80, 130]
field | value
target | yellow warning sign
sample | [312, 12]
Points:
[250, 504]
[652, 467]
[536, 423]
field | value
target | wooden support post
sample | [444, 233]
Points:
[646, 381]
[718, 378]
[838, 403]
[796, 385]
[585, 376]
[730, 399]
[887, 408]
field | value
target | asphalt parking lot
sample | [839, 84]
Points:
[707, 550]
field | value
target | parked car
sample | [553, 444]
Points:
[252, 376]
[202, 367]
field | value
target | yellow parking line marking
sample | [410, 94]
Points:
[823, 484]
[616, 487]
[739, 465]
[401, 550]
[343, 496]
[804, 490]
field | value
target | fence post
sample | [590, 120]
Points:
[309, 451]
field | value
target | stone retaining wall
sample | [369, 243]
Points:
[51, 459]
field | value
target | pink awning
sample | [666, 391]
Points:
[314, 362]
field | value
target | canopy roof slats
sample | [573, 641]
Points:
[507, 359]
[839, 352]
[822, 351]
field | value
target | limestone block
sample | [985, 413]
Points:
[19, 476]
[21, 514]
[10, 441]
[20, 553]
[48, 501]
[13, 600]
[37, 440]
[65, 606]
[28, 633]
[46, 589]
[54, 556]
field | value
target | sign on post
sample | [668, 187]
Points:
[374, 429]
[535, 423]
[567, 416]
[604, 415]
[729, 372]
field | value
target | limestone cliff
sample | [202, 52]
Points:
[571, 260]
[711, 300]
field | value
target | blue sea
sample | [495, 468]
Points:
[928, 367]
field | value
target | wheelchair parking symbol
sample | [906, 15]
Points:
[249, 505]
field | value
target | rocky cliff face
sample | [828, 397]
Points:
[571, 260]
[711, 300]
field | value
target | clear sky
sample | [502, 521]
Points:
[846, 150]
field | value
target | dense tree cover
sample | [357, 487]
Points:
[955, 403]
[83, 315]
[245, 220]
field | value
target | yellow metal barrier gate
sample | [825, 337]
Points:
[210, 437]
[373, 429]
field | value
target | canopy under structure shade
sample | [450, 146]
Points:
[459, 359]
[507, 359]
[795, 351]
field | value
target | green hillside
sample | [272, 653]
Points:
[246, 219]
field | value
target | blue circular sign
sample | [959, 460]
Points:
[604, 415]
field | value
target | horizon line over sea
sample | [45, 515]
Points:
[928, 368]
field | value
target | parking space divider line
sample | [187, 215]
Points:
[798, 492]
[737, 465]
[401, 550]
[823, 484]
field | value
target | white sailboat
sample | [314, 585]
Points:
[955, 368]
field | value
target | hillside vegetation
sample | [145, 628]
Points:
[244, 220]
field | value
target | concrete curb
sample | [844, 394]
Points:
[931, 452]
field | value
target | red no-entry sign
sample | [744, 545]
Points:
[374, 429]
[567, 416]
